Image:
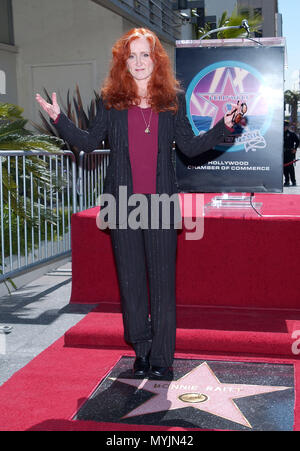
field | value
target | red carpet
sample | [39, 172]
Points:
[45, 394]
[241, 303]
[200, 329]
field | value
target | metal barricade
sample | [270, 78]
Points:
[29, 236]
[91, 175]
[67, 189]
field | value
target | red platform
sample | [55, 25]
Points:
[242, 260]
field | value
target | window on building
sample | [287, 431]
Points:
[245, 13]
[212, 21]
[152, 12]
[137, 5]
[257, 12]
[200, 17]
[6, 22]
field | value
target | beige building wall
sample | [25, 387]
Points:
[61, 44]
[8, 82]
[269, 9]
[217, 7]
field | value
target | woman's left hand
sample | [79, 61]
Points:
[235, 115]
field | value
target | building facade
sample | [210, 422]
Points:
[296, 81]
[8, 55]
[214, 9]
[57, 45]
[268, 9]
[210, 11]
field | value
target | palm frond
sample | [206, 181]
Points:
[8, 128]
[29, 142]
[10, 111]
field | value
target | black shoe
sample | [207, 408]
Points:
[161, 372]
[295, 184]
[286, 184]
[141, 366]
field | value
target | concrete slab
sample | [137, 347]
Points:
[39, 314]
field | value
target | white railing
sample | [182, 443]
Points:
[40, 230]
[91, 175]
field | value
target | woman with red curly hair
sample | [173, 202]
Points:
[142, 111]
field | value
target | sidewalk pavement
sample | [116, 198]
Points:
[39, 314]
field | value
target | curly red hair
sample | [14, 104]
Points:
[120, 90]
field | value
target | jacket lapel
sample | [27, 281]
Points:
[124, 125]
[162, 126]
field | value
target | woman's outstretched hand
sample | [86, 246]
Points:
[52, 110]
[235, 115]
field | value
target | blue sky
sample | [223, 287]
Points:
[290, 10]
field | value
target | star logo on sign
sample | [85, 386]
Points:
[200, 389]
[226, 88]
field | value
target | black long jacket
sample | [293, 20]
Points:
[113, 124]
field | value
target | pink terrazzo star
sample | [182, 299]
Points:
[199, 389]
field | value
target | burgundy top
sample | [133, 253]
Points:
[143, 149]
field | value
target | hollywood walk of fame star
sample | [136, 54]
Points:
[200, 389]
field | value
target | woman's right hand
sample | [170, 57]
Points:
[53, 110]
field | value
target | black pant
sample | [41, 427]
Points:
[289, 171]
[148, 325]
